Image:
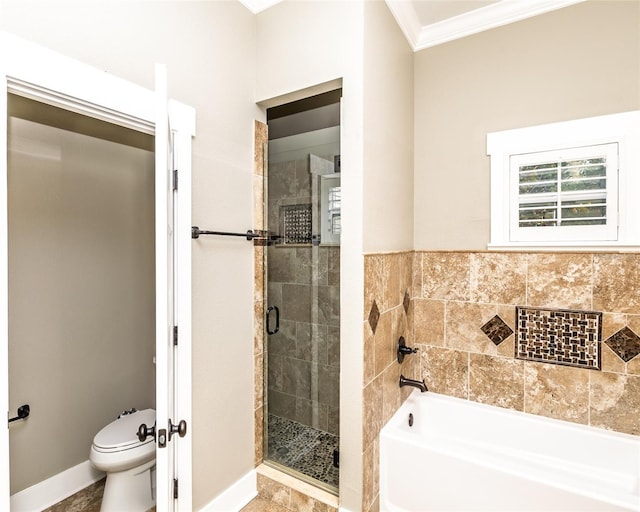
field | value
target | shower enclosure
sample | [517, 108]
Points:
[302, 338]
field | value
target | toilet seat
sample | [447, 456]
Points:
[122, 434]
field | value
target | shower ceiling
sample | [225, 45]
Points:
[428, 23]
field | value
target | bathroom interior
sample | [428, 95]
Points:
[82, 282]
[415, 225]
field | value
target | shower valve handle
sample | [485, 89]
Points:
[403, 350]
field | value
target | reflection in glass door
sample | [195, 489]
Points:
[302, 375]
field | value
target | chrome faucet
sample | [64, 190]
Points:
[420, 384]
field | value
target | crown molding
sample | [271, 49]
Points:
[485, 18]
[256, 6]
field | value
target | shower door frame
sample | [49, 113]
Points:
[43, 75]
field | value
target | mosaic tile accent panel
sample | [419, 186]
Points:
[303, 448]
[374, 316]
[296, 223]
[559, 336]
[625, 343]
[497, 330]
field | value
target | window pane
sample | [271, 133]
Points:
[584, 213]
[580, 184]
[584, 169]
[539, 188]
[584, 222]
[538, 214]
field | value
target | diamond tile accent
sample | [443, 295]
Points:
[559, 336]
[374, 316]
[625, 343]
[497, 330]
[406, 302]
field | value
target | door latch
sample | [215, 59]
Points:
[180, 429]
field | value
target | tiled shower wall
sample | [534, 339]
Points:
[454, 294]
[304, 355]
[304, 282]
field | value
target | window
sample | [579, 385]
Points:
[330, 204]
[569, 185]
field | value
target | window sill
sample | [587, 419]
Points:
[563, 247]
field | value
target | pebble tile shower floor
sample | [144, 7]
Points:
[304, 449]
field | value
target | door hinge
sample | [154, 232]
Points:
[175, 335]
[175, 179]
[175, 488]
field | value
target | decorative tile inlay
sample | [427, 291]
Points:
[296, 223]
[406, 301]
[559, 336]
[497, 330]
[625, 343]
[374, 316]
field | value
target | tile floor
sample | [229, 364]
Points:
[303, 448]
[291, 444]
[262, 505]
[88, 499]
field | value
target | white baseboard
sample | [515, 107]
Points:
[55, 489]
[234, 497]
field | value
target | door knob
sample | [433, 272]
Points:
[144, 432]
[180, 429]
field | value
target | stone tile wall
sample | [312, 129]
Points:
[304, 282]
[387, 291]
[259, 166]
[304, 356]
[454, 294]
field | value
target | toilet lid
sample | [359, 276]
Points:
[124, 431]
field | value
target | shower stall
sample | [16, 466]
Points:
[302, 303]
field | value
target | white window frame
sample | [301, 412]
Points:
[327, 234]
[506, 147]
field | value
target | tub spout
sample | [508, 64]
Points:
[414, 383]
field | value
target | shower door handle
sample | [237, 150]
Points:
[277, 327]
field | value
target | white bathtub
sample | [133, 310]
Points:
[461, 455]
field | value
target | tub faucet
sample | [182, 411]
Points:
[414, 383]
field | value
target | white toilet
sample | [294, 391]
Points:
[128, 462]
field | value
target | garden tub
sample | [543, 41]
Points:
[440, 453]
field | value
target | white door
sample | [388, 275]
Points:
[173, 264]
[40, 74]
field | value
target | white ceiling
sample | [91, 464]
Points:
[429, 12]
[428, 23]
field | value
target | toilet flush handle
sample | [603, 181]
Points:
[144, 432]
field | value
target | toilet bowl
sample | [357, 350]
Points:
[128, 462]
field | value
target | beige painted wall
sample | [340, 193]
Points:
[209, 48]
[388, 133]
[576, 62]
[81, 292]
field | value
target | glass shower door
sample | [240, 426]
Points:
[302, 376]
